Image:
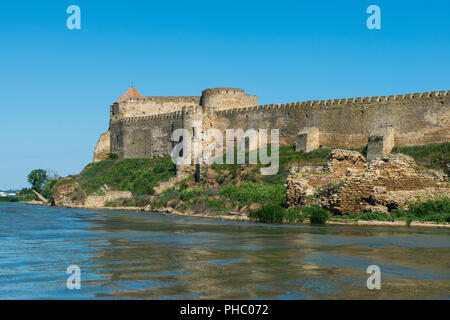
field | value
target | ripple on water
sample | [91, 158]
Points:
[125, 254]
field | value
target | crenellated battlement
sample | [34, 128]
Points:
[337, 102]
[158, 99]
[169, 115]
[267, 107]
[141, 126]
[222, 91]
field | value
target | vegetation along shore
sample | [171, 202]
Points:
[239, 192]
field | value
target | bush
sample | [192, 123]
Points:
[249, 192]
[190, 193]
[273, 213]
[26, 195]
[113, 156]
[436, 210]
[317, 214]
[221, 178]
[162, 200]
[432, 156]
[295, 215]
[47, 190]
[431, 207]
[138, 176]
[368, 216]
[269, 214]
[216, 205]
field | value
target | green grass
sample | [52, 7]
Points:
[368, 216]
[25, 195]
[191, 193]
[287, 158]
[269, 214]
[295, 215]
[236, 186]
[433, 156]
[138, 176]
[437, 210]
[273, 213]
[288, 155]
[318, 215]
[249, 192]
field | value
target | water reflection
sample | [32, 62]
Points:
[142, 255]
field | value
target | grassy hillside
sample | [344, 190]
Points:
[433, 156]
[138, 176]
[230, 187]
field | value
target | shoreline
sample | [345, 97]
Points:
[237, 217]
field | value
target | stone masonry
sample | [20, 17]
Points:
[141, 127]
[307, 140]
[381, 144]
[348, 184]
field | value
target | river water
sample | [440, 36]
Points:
[134, 255]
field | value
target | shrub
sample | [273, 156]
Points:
[433, 156]
[138, 176]
[317, 214]
[26, 195]
[269, 214]
[249, 177]
[164, 166]
[47, 190]
[430, 207]
[113, 156]
[249, 192]
[436, 210]
[369, 216]
[295, 215]
[190, 193]
[221, 178]
[216, 204]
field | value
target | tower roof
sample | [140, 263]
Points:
[132, 92]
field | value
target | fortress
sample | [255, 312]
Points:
[141, 127]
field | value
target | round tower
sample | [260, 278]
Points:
[226, 98]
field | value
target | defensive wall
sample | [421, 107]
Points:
[141, 127]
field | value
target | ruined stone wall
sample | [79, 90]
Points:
[390, 182]
[348, 184]
[418, 119]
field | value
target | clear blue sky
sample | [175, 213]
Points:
[56, 85]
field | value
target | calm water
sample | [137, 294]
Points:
[141, 255]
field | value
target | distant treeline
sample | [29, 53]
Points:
[23, 195]
[9, 199]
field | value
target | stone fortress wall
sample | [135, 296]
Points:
[141, 127]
